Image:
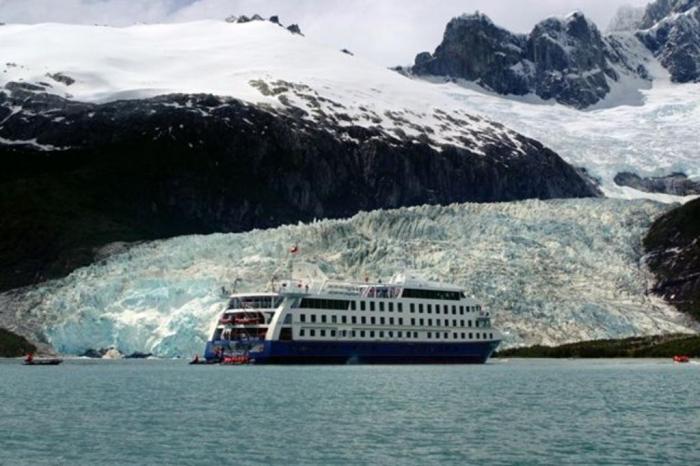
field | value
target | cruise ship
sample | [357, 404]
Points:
[404, 321]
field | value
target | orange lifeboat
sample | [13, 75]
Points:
[236, 359]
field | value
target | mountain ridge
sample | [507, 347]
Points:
[568, 59]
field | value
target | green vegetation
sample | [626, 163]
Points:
[12, 345]
[658, 346]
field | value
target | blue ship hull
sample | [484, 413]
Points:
[335, 352]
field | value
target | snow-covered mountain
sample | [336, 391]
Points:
[221, 126]
[256, 62]
[552, 272]
[564, 59]
[672, 33]
[567, 59]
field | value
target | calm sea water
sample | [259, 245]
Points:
[515, 412]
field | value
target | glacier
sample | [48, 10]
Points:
[649, 131]
[550, 271]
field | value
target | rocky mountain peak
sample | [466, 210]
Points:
[565, 59]
[661, 9]
[672, 32]
[568, 59]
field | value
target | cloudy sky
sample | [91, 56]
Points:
[389, 32]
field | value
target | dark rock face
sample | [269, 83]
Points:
[673, 35]
[13, 345]
[673, 247]
[294, 29]
[475, 49]
[566, 60]
[660, 9]
[675, 183]
[179, 164]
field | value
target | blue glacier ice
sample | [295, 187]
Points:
[551, 272]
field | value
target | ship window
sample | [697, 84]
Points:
[288, 319]
[391, 307]
[312, 333]
[470, 324]
[491, 335]
[353, 319]
[420, 309]
[447, 335]
[445, 309]
[301, 332]
[335, 304]
[430, 335]
[430, 294]
[362, 305]
[344, 319]
[454, 335]
[352, 334]
[286, 334]
[371, 334]
[413, 321]
[415, 334]
[371, 305]
[391, 321]
[398, 334]
[313, 317]
[362, 333]
[454, 310]
[462, 335]
[334, 319]
[391, 334]
[461, 323]
[381, 306]
[373, 320]
[322, 332]
[454, 323]
[323, 318]
[461, 310]
[412, 307]
[399, 307]
[381, 334]
[302, 317]
[363, 320]
[430, 309]
[430, 322]
[353, 305]
[381, 320]
[421, 322]
[471, 335]
[332, 333]
[400, 320]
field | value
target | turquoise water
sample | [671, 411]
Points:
[515, 412]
